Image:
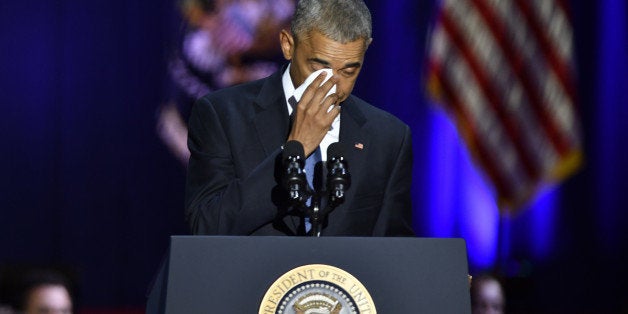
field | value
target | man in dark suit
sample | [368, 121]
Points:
[236, 137]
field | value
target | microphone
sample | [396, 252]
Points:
[294, 177]
[338, 177]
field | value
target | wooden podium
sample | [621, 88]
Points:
[221, 274]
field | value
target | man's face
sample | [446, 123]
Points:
[315, 51]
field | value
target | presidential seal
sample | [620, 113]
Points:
[317, 289]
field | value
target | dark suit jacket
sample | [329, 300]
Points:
[236, 137]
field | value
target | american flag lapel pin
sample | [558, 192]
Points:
[359, 146]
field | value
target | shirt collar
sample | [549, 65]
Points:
[288, 87]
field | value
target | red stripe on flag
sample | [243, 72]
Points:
[491, 95]
[559, 67]
[521, 70]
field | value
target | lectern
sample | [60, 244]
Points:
[221, 274]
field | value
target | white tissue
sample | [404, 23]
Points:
[301, 89]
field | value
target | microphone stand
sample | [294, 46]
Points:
[334, 192]
[299, 191]
[317, 215]
[315, 218]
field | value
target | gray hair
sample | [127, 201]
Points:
[339, 20]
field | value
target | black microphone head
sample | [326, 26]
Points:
[337, 167]
[334, 150]
[338, 177]
[293, 178]
[293, 149]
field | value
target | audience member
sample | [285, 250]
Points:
[487, 295]
[43, 291]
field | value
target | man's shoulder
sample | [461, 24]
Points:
[243, 92]
[241, 99]
[377, 116]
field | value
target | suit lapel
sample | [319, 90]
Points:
[271, 124]
[271, 114]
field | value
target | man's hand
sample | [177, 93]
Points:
[313, 116]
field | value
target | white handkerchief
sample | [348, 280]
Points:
[299, 91]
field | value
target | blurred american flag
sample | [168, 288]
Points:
[503, 70]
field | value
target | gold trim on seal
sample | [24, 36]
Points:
[317, 285]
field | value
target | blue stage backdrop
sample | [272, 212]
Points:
[87, 185]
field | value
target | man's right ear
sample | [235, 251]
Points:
[287, 44]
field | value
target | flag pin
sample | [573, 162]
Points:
[359, 145]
